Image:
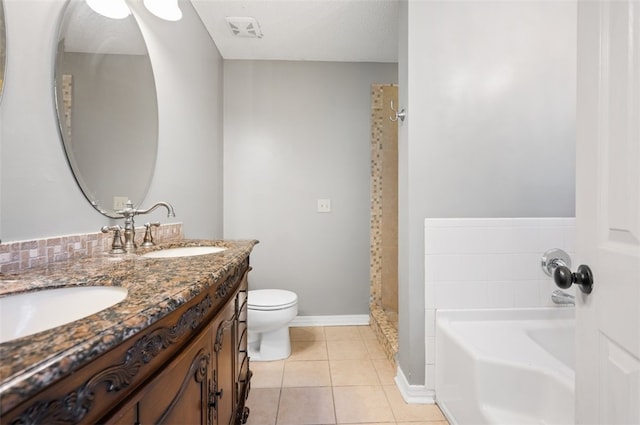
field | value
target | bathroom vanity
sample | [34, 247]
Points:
[173, 351]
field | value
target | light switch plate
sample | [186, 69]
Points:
[120, 202]
[324, 205]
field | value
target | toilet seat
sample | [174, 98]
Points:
[271, 299]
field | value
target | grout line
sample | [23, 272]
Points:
[333, 395]
[278, 405]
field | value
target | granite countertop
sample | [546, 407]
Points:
[156, 287]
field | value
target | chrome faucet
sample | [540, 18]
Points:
[562, 298]
[129, 227]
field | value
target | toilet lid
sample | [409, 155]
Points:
[271, 299]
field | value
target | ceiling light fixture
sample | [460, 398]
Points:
[164, 9]
[115, 9]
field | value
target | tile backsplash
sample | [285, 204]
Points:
[488, 263]
[23, 255]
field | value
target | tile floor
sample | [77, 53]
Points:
[335, 375]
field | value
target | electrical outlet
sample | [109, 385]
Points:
[120, 202]
[324, 205]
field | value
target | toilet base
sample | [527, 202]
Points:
[269, 346]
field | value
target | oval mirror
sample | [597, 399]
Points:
[3, 47]
[106, 103]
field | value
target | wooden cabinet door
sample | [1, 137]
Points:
[180, 393]
[224, 366]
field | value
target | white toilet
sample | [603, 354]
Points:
[270, 311]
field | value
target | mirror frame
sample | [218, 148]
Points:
[3, 48]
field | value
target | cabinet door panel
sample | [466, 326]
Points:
[224, 379]
[179, 393]
[126, 416]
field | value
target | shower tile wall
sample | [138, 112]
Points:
[488, 263]
[384, 213]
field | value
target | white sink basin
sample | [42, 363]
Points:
[184, 251]
[31, 312]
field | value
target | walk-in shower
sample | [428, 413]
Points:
[384, 217]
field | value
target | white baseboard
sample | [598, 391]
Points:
[337, 320]
[414, 394]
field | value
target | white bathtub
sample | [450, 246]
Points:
[506, 366]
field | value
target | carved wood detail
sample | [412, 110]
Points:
[231, 281]
[217, 346]
[71, 408]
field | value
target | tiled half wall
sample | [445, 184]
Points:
[23, 255]
[488, 263]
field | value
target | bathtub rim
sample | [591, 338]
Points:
[445, 317]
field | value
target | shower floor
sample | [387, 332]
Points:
[386, 328]
[392, 316]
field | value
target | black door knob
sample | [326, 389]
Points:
[564, 278]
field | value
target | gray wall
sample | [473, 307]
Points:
[188, 71]
[39, 196]
[489, 89]
[296, 132]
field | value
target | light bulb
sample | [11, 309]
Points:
[164, 9]
[115, 9]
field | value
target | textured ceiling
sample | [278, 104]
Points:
[310, 30]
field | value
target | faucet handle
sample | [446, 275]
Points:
[148, 236]
[552, 259]
[116, 245]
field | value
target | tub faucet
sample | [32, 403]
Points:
[129, 227]
[562, 298]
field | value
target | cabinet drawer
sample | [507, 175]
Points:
[242, 338]
[241, 300]
[243, 371]
[242, 311]
[242, 296]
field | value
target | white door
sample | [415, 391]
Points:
[608, 211]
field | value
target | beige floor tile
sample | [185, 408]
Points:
[307, 333]
[308, 350]
[375, 349]
[405, 412]
[302, 406]
[374, 423]
[267, 374]
[367, 332]
[342, 333]
[361, 404]
[353, 372]
[345, 364]
[423, 423]
[386, 371]
[263, 406]
[344, 350]
[310, 373]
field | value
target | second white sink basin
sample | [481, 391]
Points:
[28, 313]
[184, 251]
